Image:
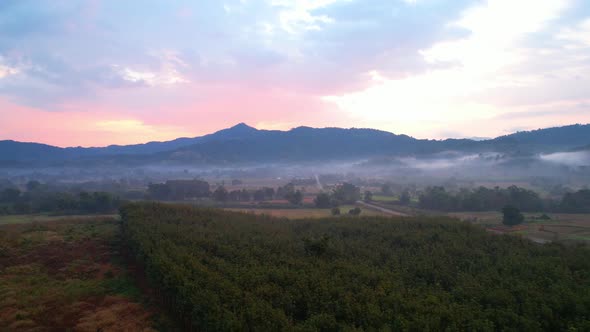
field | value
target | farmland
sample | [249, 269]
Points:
[561, 227]
[301, 213]
[43, 218]
[59, 274]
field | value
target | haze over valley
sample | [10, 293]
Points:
[295, 165]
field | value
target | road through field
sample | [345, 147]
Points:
[382, 209]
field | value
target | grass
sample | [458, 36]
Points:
[384, 198]
[579, 237]
[306, 212]
[29, 218]
[60, 274]
[561, 226]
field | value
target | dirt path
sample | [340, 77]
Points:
[382, 209]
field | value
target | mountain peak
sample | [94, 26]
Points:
[242, 127]
[237, 131]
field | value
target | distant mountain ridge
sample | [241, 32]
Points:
[572, 135]
[242, 143]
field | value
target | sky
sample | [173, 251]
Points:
[100, 72]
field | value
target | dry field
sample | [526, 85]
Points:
[561, 227]
[67, 275]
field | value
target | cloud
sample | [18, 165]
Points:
[492, 59]
[296, 16]
[7, 71]
[317, 46]
[415, 67]
[578, 36]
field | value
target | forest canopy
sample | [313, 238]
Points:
[222, 271]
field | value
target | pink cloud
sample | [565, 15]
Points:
[140, 116]
[78, 128]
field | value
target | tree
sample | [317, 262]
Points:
[224, 271]
[283, 192]
[405, 197]
[316, 247]
[234, 195]
[259, 195]
[245, 195]
[578, 202]
[22, 207]
[183, 189]
[347, 193]
[335, 211]
[386, 189]
[104, 202]
[220, 194]
[322, 201]
[33, 185]
[355, 212]
[9, 195]
[368, 196]
[295, 197]
[512, 216]
[269, 192]
[159, 191]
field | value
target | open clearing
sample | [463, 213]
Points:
[29, 218]
[66, 274]
[307, 212]
[561, 226]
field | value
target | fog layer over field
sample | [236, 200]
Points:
[575, 159]
[566, 168]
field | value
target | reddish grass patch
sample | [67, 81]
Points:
[53, 281]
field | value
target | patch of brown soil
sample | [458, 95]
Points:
[114, 314]
[55, 257]
[108, 313]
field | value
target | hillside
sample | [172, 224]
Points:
[19, 151]
[564, 137]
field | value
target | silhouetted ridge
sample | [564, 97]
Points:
[243, 143]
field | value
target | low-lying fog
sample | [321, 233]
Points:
[567, 168]
[575, 159]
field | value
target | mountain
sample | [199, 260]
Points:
[242, 143]
[566, 137]
[237, 131]
[298, 144]
[18, 151]
[581, 148]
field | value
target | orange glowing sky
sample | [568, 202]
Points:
[110, 72]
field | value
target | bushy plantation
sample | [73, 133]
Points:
[225, 271]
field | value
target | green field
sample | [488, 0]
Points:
[306, 212]
[383, 198]
[29, 218]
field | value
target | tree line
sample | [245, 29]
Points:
[38, 200]
[344, 193]
[224, 271]
[287, 192]
[494, 199]
[176, 190]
